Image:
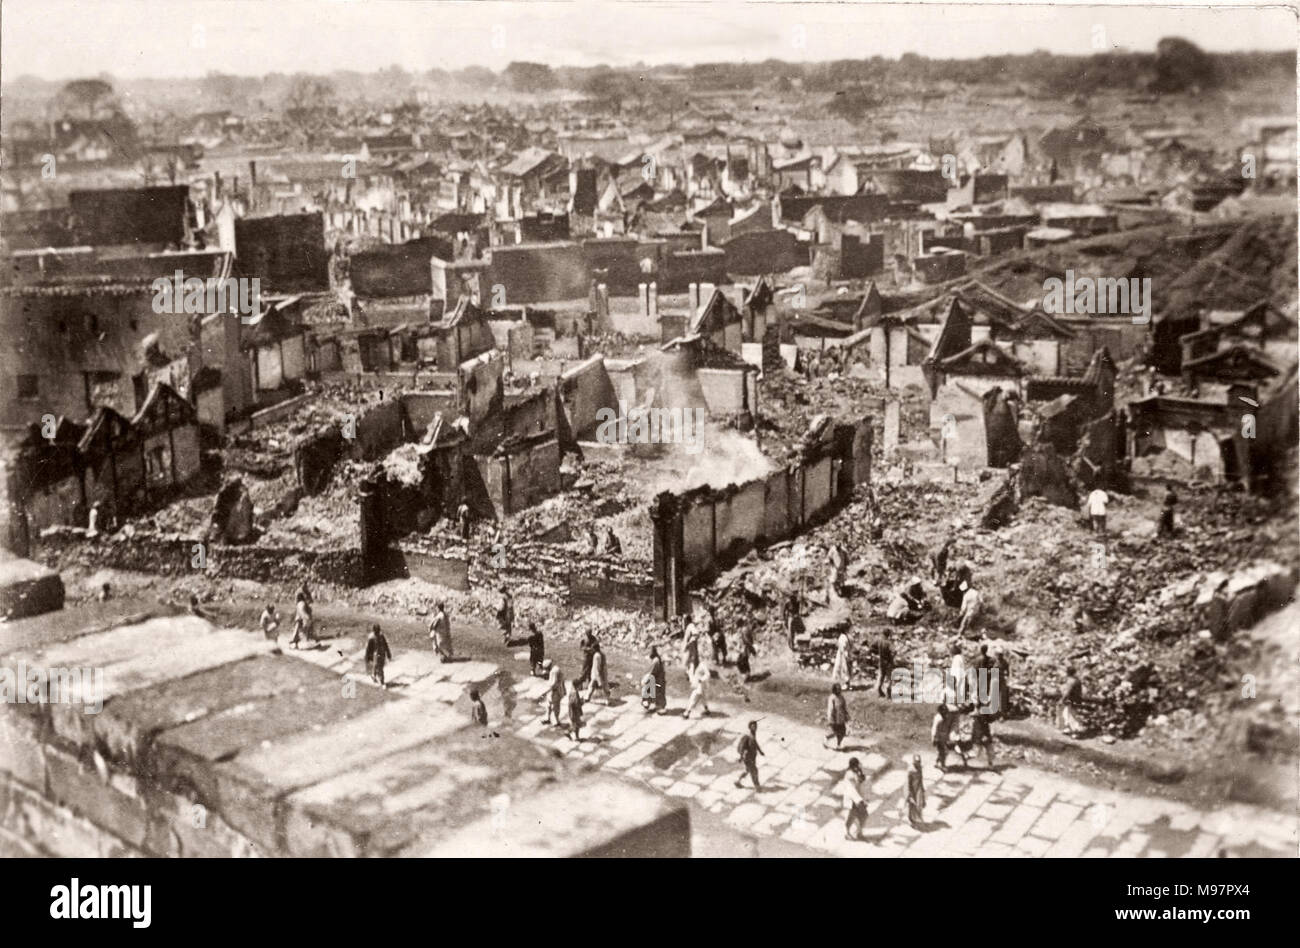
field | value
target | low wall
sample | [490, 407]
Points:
[608, 593]
[171, 555]
[217, 745]
[449, 571]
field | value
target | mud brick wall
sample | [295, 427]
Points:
[210, 742]
[171, 555]
[697, 266]
[609, 593]
[523, 477]
[584, 390]
[706, 530]
[449, 571]
[539, 273]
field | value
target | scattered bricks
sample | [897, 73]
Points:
[128, 725]
[595, 817]
[251, 788]
[185, 757]
[85, 792]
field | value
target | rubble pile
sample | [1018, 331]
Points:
[790, 402]
[323, 520]
[1145, 622]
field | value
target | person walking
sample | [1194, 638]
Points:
[506, 616]
[940, 730]
[699, 698]
[939, 559]
[647, 692]
[1067, 712]
[955, 691]
[660, 679]
[270, 622]
[717, 638]
[749, 753]
[302, 619]
[691, 648]
[440, 633]
[855, 803]
[575, 709]
[536, 650]
[839, 561]
[745, 652]
[1097, 501]
[842, 669]
[837, 715]
[554, 693]
[884, 664]
[793, 619]
[1004, 683]
[477, 709]
[1167, 512]
[970, 610]
[916, 794]
[378, 654]
[981, 734]
[599, 675]
[589, 645]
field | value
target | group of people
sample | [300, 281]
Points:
[609, 545]
[304, 623]
[855, 799]
[565, 699]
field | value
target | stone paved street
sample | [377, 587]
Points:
[1014, 812]
[1017, 811]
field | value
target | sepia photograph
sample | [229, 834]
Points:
[632, 429]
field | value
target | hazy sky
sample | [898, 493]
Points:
[58, 39]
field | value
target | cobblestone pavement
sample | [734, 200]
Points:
[1015, 811]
